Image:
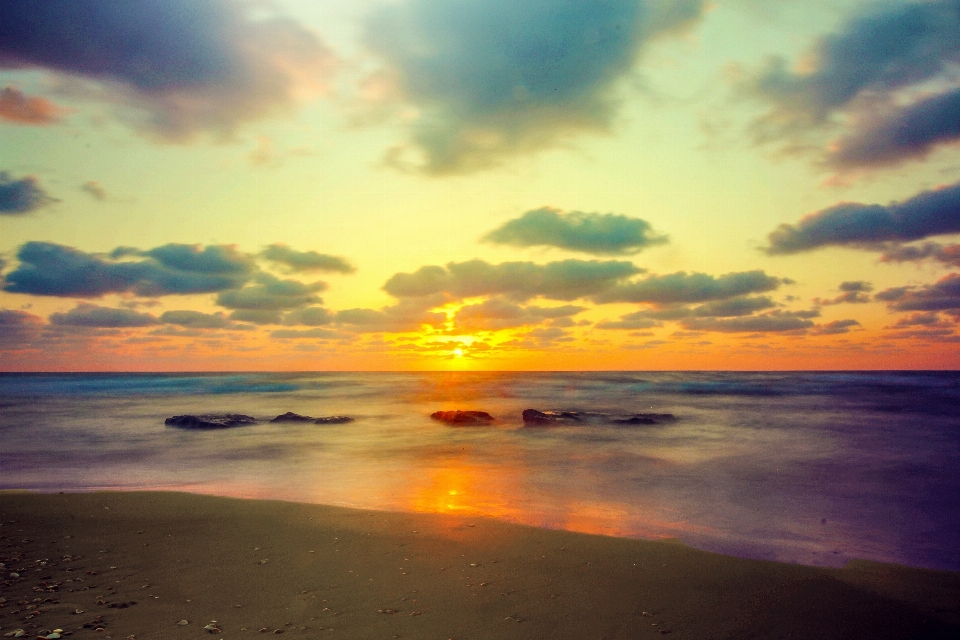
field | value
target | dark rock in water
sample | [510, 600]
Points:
[290, 416]
[210, 421]
[333, 420]
[532, 416]
[463, 417]
[646, 418]
[634, 420]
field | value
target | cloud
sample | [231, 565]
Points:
[306, 261]
[94, 189]
[772, 322]
[874, 77]
[929, 213]
[636, 320]
[519, 281]
[257, 316]
[495, 314]
[492, 79]
[212, 259]
[184, 66]
[911, 132]
[302, 334]
[17, 328]
[731, 307]
[18, 107]
[924, 319]
[49, 269]
[682, 287]
[195, 319]
[91, 315]
[272, 294]
[407, 315]
[947, 254]
[943, 295]
[740, 306]
[311, 317]
[854, 292]
[21, 196]
[595, 233]
[837, 327]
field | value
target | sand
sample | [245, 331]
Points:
[136, 564]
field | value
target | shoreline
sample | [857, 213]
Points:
[333, 572]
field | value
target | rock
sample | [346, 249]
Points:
[463, 417]
[290, 416]
[634, 420]
[646, 418]
[210, 421]
[333, 420]
[532, 416]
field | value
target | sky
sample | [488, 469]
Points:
[479, 185]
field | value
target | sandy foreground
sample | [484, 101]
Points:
[122, 565]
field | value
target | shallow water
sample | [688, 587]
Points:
[814, 468]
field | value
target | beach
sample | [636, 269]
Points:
[167, 565]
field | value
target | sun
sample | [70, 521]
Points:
[458, 352]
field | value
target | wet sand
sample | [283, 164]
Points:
[116, 565]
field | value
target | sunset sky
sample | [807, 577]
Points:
[479, 184]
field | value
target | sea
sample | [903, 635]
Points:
[815, 468]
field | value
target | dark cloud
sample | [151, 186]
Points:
[725, 308]
[94, 189]
[16, 106]
[495, 78]
[772, 322]
[407, 315]
[272, 294]
[947, 254]
[595, 233]
[257, 316]
[91, 315]
[195, 319]
[21, 196]
[304, 334]
[186, 66]
[495, 314]
[49, 269]
[212, 259]
[923, 319]
[927, 335]
[855, 286]
[864, 75]
[682, 287]
[837, 327]
[911, 132]
[733, 307]
[929, 213]
[853, 292]
[943, 295]
[306, 261]
[17, 328]
[563, 280]
[631, 321]
[311, 317]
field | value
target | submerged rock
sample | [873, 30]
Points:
[210, 421]
[332, 420]
[542, 418]
[290, 416]
[646, 418]
[463, 417]
[532, 416]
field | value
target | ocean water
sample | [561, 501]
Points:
[814, 467]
